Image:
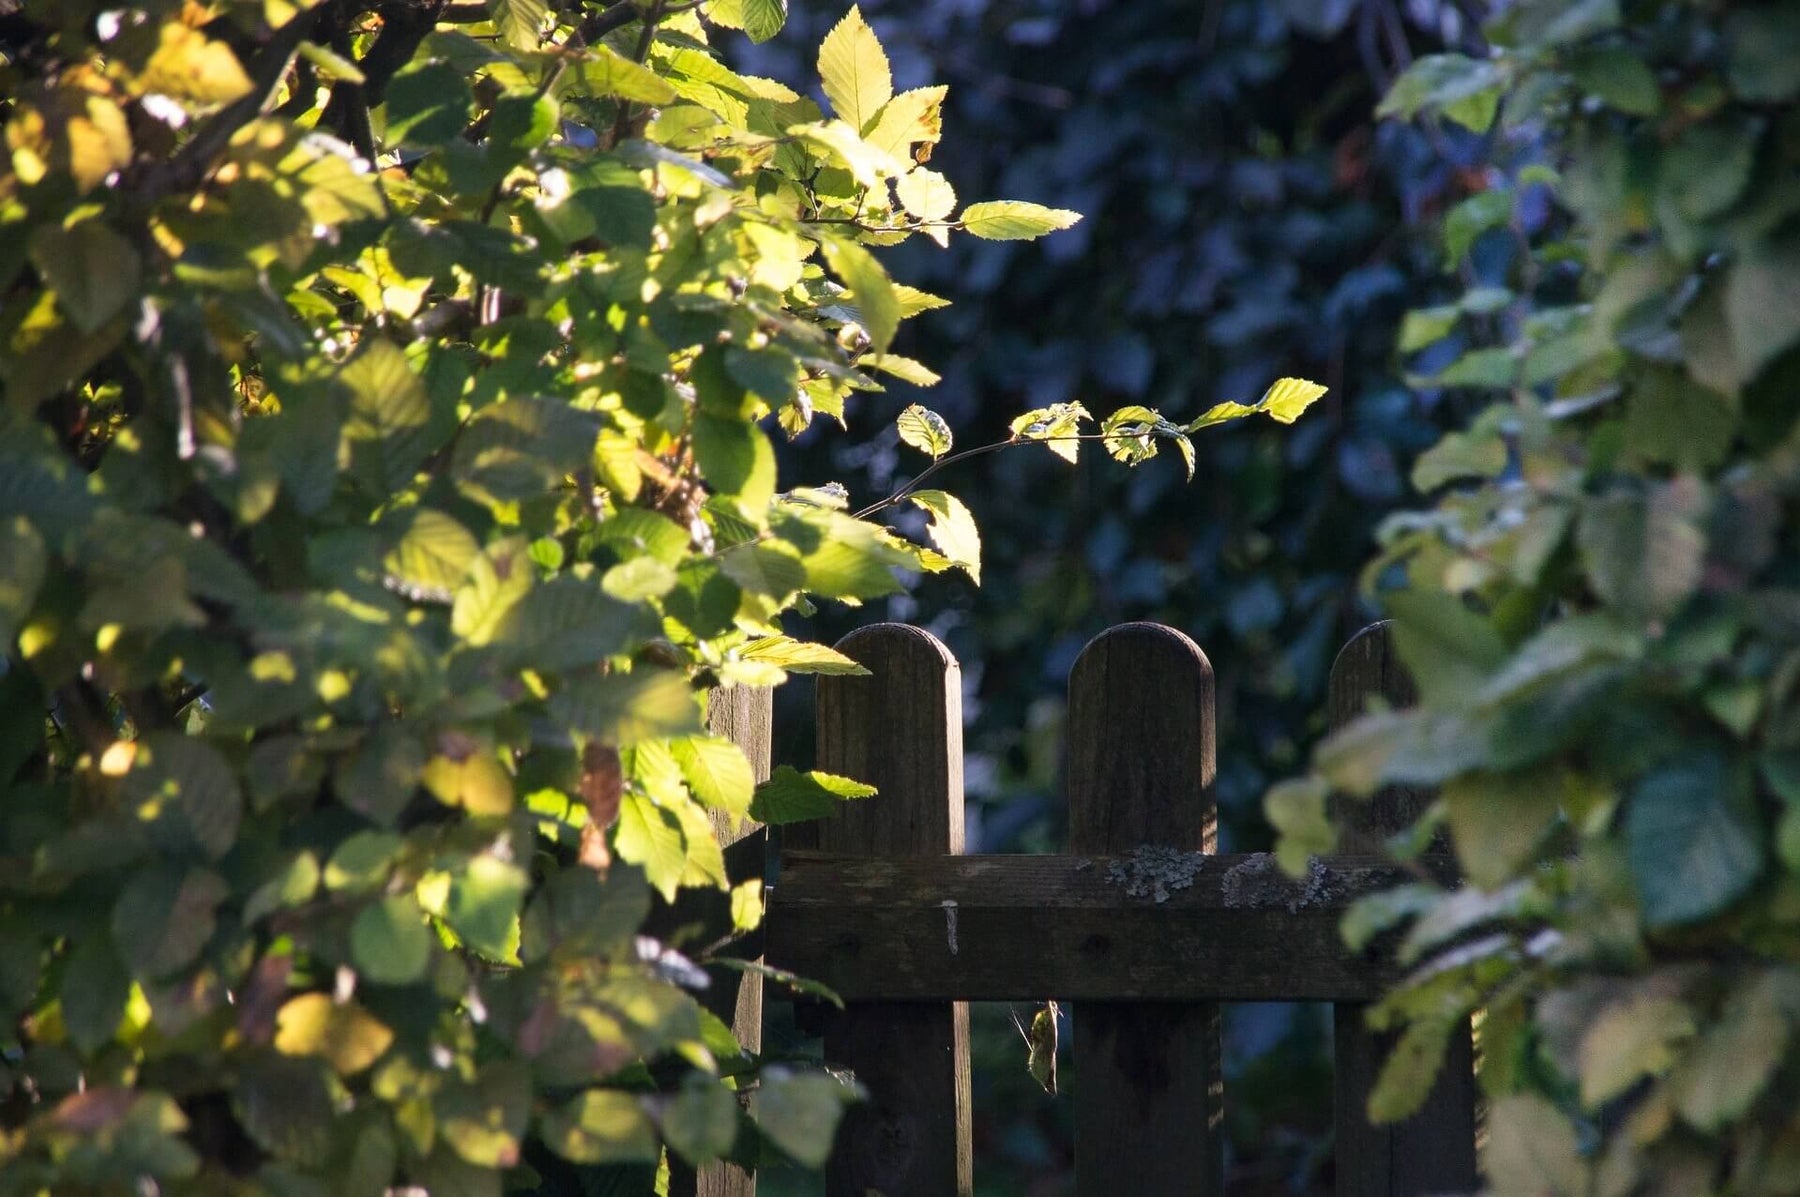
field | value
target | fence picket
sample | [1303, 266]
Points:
[745, 716]
[1433, 1151]
[1148, 1092]
[899, 729]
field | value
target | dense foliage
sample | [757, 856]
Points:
[1599, 607]
[1245, 216]
[383, 491]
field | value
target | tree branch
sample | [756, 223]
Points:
[188, 168]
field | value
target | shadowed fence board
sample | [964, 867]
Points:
[1147, 1087]
[1229, 928]
[1433, 1151]
[900, 730]
[745, 716]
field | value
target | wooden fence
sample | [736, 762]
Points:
[1141, 925]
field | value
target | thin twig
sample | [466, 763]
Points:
[940, 463]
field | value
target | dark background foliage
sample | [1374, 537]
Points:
[1246, 218]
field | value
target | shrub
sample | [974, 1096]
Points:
[1598, 607]
[383, 491]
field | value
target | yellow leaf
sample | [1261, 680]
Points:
[1289, 397]
[909, 118]
[926, 194]
[476, 783]
[347, 1035]
[191, 66]
[854, 70]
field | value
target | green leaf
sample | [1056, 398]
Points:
[482, 906]
[428, 104]
[521, 449]
[1459, 455]
[799, 656]
[362, 861]
[1448, 648]
[185, 789]
[1636, 1037]
[1762, 303]
[22, 564]
[700, 1121]
[95, 988]
[1427, 326]
[1533, 1147]
[1643, 554]
[387, 434]
[736, 458]
[93, 270]
[1013, 220]
[603, 1126]
[924, 430]
[853, 69]
[1411, 1068]
[799, 1112]
[1718, 1078]
[603, 71]
[1497, 822]
[622, 709]
[1471, 218]
[765, 568]
[717, 773]
[1619, 77]
[389, 941]
[1465, 90]
[871, 291]
[431, 557]
[292, 885]
[520, 22]
[649, 835]
[1708, 167]
[484, 1121]
[1672, 420]
[952, 529]
[1762, 59]
[165, 916]
[763, 19]
[790, 796]
[1693, 839]
[1296, 809]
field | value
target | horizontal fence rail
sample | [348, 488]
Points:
[1140, 925]
[1151, 926]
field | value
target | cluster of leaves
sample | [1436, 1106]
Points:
[382, 496]
[1599, 609]
[1245, 218]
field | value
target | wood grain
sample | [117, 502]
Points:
[1147, 1087]
[1065, 927]
[1433, 1151]
[900, 730]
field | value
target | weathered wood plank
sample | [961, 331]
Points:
[899, 729]
[1147, 1087]
[745, 716]
[1227, 928]
[1434, 1151]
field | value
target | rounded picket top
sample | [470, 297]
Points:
[1141, 741]
[898, 728]
[1366, 666]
